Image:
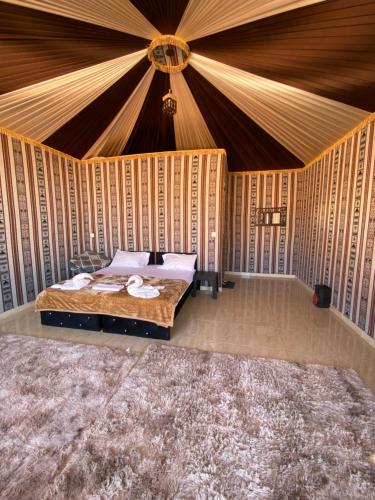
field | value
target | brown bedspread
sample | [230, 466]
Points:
[159, 310]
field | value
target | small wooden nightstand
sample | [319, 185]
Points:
[211, 277]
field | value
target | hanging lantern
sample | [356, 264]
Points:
[169, 104]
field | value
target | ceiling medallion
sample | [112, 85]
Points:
[169, 54]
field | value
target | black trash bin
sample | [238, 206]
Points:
[322, 296]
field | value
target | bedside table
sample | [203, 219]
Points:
[210, 276]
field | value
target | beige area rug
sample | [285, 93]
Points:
[180, 424]
[49, 392]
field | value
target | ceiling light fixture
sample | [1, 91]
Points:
[169, 104]
[168, 53]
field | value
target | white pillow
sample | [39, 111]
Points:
[130, 259]
[181, 262]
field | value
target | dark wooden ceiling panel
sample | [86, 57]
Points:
[153, 131]
[36, 46]
[165, 15]
[327, 49]
[248, 146]
[79, 134]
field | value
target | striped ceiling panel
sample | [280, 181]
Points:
[247, 142]
[36, 46]
[274, 83]
[327, 49]
[92, 120]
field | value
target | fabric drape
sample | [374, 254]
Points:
[303, 122]
[202, 18]
[112, 141]
[165, 15]
[326, 48]
[37, 46]
[50, 104]
[190, 129]
[248, 146]
[119, 15]
[153, 130]
[89, 123]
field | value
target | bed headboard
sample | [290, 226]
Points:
[156, 257]
[159, 258]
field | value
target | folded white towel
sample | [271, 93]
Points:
[107, 287]
[76, 283]
[143, 292]
[69, 285]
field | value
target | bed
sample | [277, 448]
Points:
[116, 312]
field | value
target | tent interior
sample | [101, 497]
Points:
[240, 131]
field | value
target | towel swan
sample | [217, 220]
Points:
[76, 283]
[136, 288]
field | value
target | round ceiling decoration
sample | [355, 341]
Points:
[169, 54]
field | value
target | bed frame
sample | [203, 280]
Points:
[115, 324]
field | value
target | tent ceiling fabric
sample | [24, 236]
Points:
[304, 123]
[95, 118]
[37, 46]
[164, 15]
[273, 82]
[117, 15]
[190, 129]
[48, 105]
[116, 135]
[327, 49]
[202, 18]
[153, 130]
[245, 142]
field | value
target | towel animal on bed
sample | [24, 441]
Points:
[76, 283]
[136, 288]
[134, 285]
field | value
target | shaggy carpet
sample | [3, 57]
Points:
[49, 392]
[181, 424]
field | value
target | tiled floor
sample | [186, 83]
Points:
[271, 317]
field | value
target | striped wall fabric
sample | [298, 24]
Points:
[330, 233]
[260, 249]
[335, 226]
[50, 203]
[40, 219]
[163, 202]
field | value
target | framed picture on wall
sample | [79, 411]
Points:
[275, 216]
